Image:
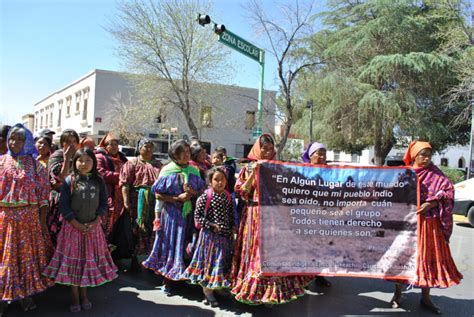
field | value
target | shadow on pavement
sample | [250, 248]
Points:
[139, 294]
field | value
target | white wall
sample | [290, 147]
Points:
[453, 154]
[229, 106]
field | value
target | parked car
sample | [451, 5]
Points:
[129, 151]
[162, 157]
[464, 199]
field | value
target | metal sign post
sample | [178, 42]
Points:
[246, 48]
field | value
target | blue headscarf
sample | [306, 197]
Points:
[141, 143]
[306, 157]
[29, 146]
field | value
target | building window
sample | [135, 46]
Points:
[249, 120]
[36, 121]
[85, 96]
[461, 162]
[84, 113]
[68, 105]
[239, 150]
[355, 158]
[206, 116]
[78, 102]
[85, 93]
[51, 108]
[444, 162]
[60, 106]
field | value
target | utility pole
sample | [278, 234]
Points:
[246, 48]
[310, 104]
[470, 169]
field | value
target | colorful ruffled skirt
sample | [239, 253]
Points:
[167, 256]
[435, 265]
[211, 261]
[23, 253]
[248, 284]
[81, 259]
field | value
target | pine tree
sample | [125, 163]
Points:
[386, 75]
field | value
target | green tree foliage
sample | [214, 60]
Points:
[387, 74]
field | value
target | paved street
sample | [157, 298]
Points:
[139, 294]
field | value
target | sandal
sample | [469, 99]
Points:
[75, 308]
[395, 302]
[87, 305]
[211, 301]
[431, 307]
[27, 304]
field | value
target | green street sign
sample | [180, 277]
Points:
[239, 44]
[256, 132]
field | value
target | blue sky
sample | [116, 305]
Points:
[47, 44]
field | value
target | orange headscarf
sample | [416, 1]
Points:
[256, 151]
[106, 139]
[413, 149]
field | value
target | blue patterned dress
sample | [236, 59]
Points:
[166, 257]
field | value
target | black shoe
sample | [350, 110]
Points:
[211, 301]
[167, 290]
[27, 304]
[3, 307]
[431, 307]
[395, 303]
[135, 265]
[321, 280]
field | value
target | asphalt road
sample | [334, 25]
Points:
[139, 294]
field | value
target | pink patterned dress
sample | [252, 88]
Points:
[248, 284]
[24, 188]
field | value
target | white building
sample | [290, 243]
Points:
[453, 156]
[226, 120]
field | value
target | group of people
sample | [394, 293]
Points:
[67, 216]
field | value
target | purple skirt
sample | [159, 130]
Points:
[166, 258]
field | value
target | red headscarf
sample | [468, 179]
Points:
[413, 149]
[256, 150]
[106, 139]
[87, 142]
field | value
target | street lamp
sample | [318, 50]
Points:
[203, 19]
[309, 105]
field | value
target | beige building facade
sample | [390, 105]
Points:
[225, 117]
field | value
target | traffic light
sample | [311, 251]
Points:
[203, 19]
[219, 28]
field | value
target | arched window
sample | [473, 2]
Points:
[461, 162]
[444, 162]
